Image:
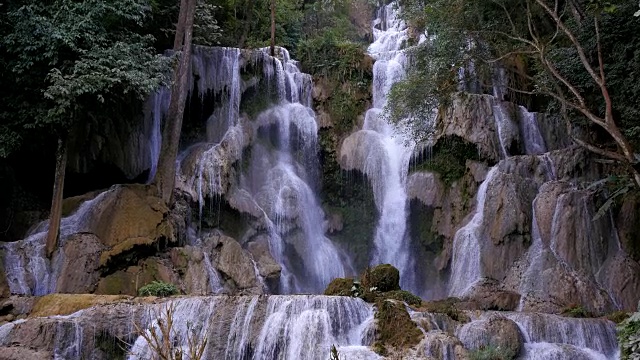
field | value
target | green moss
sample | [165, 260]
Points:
[394, 327]
[403, 295]
[382, 278]
[448, 158]
[339, 287]
[447, 307]
[349, 195]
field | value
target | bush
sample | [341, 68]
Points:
[158, 288]
[576, 311]
[449, 158]
[629, 338]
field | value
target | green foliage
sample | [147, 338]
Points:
[618, 316]
[66, 59]
[576, 311]
[448, 158]
[629, 337]
[158, 288]
[492, 353]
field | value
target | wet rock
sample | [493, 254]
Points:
[20, 353]
[128, 216]
[507, 217]
[497, 331]
[79, 272]
[426, 187]
[236, 264]
[488, 296]
[267, 265]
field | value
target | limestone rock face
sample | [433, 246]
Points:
[471, 117]
[235, 263]
[128, 216]
[129, 280]
[508, 223]
[80, 268]
[267, 265]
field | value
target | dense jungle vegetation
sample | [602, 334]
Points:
[65, 63]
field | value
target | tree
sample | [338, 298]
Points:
[554, 49]
[165, 177]
[273, 27]
[73, 59]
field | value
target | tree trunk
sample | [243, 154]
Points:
[166, 175]
[273, 27]
[182, 20]
[56, 202]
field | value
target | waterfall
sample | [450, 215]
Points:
[281, 178]
[549, 336]
[382, 152]
[277, 327]
[465, 262]
[29, 271]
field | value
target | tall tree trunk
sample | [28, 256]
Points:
[56, 202]
[166, 175]
[273, 27]
[182, 20]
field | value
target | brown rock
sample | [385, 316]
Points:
[236, 264]
[267, 265]
[79, 272]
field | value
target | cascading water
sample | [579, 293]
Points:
[465, 262]
[549, 336]
[382, 153]
[280, 177]
[278, 327]
[29, 271]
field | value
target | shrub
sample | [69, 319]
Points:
[629, 338]
[576, 311]
[158, 288]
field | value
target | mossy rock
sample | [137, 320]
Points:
[447, 307]
[395, 328]
[403, 295]
[383, 278]
[339, 287]
[65, 304]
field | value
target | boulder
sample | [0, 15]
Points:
[488, 296]
[235, 263]
[79, 272]
[383, 277]
[127, 216]
[497, 332]
[339, 287]
[268, 267]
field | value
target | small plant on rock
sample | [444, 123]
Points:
[576, 311]
[158, 288]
